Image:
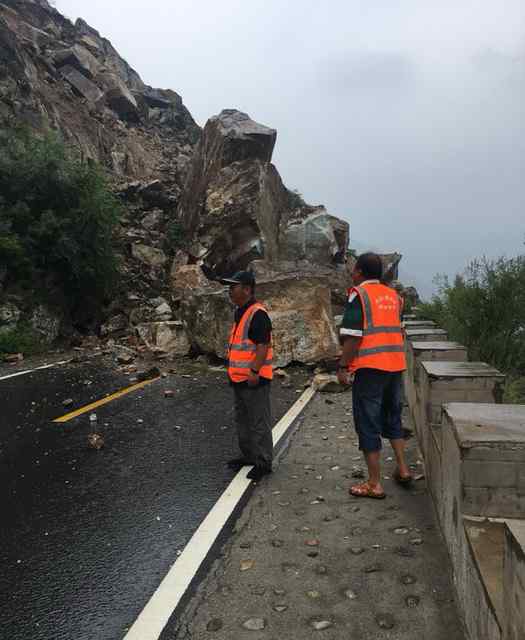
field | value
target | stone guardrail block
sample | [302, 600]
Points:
[478, 577]
[486, 445]
[418, 352]
[441, 383]
[444, 382]
[514, 580]
[483, 451]
[426, 334]
[419, 324]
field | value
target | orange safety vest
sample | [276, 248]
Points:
[242, 354]
[382, 345]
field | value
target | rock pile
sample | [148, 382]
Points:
[198, 204]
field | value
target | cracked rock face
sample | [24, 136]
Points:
[69, 78]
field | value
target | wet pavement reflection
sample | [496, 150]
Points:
[86, 536]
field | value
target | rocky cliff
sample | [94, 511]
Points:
[66, 77]
[217, 189]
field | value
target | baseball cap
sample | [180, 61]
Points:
[241, 277]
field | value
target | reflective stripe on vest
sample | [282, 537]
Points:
[382, 345]
[242, 351]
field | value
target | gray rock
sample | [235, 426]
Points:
[151, 256]
[152, 220]
[168, 337]
[163, 309]
[254, 624]
[314, 238]
[320, 625]
[328, 383]
[82, 85]
[45, 323]
[114, 324]
[79, 58]
[120, 99]
[236, 208]
[124, 355]
[300, 312]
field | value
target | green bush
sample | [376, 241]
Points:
[57, 217]
[20, 340]
[484, 309]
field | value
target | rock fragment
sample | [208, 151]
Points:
[254, 624]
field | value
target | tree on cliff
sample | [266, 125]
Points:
[57, 218]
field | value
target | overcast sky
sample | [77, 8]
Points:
[405, 117]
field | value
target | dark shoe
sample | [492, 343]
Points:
[238, 463]
[258, 472]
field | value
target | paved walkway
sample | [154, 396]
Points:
[308, 561]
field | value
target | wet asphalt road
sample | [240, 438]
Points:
[86, 536]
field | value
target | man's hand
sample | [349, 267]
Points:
[253, 379]
[343, 377]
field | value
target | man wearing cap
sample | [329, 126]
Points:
[250, 373]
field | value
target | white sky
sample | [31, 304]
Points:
[405, 117]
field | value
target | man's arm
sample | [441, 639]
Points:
[261, 351]
[350, 335]
[260, 332]
[350, 349]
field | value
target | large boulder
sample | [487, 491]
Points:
[301, 313]
[236, 209]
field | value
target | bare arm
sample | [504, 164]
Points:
[350, 349]
[261, 351]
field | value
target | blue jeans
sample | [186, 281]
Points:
[377, 403]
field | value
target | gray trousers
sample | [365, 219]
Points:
[253, 420]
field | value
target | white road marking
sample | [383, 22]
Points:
[155, 615]
[24, 373]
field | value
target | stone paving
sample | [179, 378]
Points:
[306, 560]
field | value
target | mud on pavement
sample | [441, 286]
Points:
[306, 558]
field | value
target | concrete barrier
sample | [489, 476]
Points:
[486, 445]
[418, 352]
[443, 382]
[419, 324]
[474, 451]
[426, 334]
[514, 580]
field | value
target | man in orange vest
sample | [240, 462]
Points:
[373, 349]
[250, 372]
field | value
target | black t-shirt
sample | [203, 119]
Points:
[260, 330]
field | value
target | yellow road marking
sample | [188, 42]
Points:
[103, 401]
